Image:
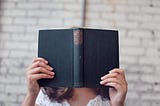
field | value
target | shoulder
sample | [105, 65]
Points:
[43, 100]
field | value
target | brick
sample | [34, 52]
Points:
[149, 60]
[134, 69]
[127, 25]
[2, 87]
[3, 97]
[21, 54]
[150, 26]
[22, 38]
[111, 2]
[23, 79]
[130, 41]
[127, 9]
[14, 12]
[8, 5]
[48, 5]
[150, 10]
[16, 72]
[28, 5]
[132, 51]
[72, 22]
[140, 17]
[141, 2]
[158, 68]
[152, 52]
[156, 88]
[12, 28]
[11, 97]
[38, 13]
[5, 36]
[156, 18]
[114, 16]
[9, 79]
[140, 34]
[69, 1]
[4, 53]
[122, 34]
[72, 7]
[33, 30]
[132, 95]
[139, 88]
[155, 2]
[92, 15]
[52, 22]
[146, 103]
[150, 96]
[20, 98]
[25, 21]
[33, 47]
[101, 24]
[12, 104]
[128, 59]
[1, 45]
[150, 42]
[15, 89]
[10, 62]
[132, 77]
[100, 8]
[67, 14]
[6, 20]
[3, 70]
[150, 78]
[11, 0]
[155, 104]
[132, 101]
[16, 45]
[147, 69]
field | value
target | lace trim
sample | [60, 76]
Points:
[43, 100]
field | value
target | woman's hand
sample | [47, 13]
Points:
[37, 70]
[116, 79]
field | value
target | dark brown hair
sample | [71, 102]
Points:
[61, 93]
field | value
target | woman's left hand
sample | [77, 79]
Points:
[116, 79]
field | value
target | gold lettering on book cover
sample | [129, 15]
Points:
[78, 37]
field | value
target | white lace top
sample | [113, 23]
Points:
[43, 100]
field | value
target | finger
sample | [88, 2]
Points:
[114, 85]
[116, 70]
[40, 64]
[110, 75]
[110, 80]
[36, 77]
[120, 76]
[41, 70]
[39, 59]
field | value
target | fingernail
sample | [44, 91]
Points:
[101, 82]
[52, 76]
[52, 73]
[51, 68]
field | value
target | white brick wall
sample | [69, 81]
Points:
[137, 21]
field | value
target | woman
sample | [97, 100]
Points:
[73, 96]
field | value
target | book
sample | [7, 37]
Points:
[79, 56]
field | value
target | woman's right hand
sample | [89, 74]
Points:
[37, 70]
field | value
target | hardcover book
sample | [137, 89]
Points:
[79, 56]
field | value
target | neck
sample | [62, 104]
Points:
[82, 95]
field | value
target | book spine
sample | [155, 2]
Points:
[78, 57]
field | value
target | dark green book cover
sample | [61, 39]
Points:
[79, 56]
